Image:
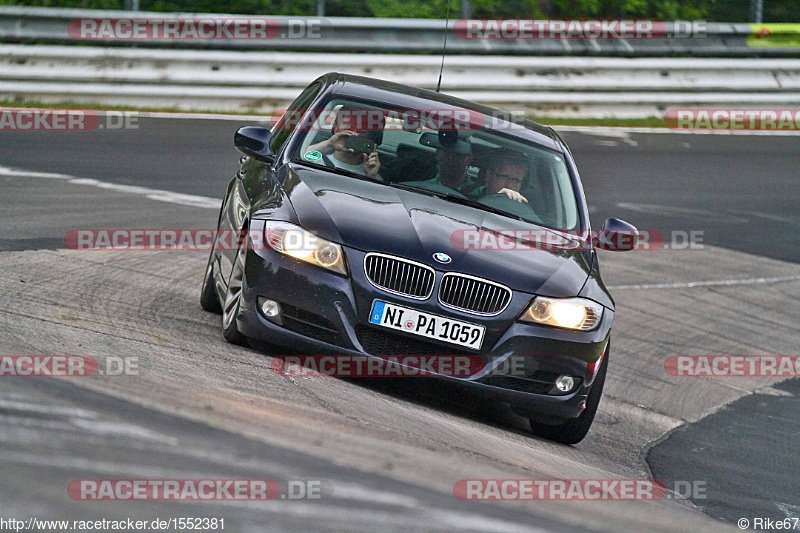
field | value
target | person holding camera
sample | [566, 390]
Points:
[353, 144]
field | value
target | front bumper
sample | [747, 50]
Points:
[328, 314]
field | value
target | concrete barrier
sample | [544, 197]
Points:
[233, 81]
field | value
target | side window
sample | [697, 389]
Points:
[288, 122]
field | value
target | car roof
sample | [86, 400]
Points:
[415, 98]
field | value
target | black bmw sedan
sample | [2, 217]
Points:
[382, 220]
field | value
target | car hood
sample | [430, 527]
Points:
[375, 218]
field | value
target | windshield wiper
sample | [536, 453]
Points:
[412, 188]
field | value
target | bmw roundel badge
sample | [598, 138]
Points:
[442, 257]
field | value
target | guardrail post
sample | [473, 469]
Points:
[756, 10]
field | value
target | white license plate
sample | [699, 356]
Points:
[427, 325]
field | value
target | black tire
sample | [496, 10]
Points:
[575, 429]
[230, 307]
[208, 294]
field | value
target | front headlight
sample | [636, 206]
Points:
[570, 313]
[303, 245]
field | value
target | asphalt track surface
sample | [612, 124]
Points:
[388, 452]
[738, 436]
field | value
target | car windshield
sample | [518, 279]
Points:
[447, 153]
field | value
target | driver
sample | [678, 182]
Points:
[505, 174]
[349, 122]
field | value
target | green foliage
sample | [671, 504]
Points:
[239, 7]
[498, 9]
[739, 11]
[410, 8]
[346, 8]
[667, 9]
[657, 9]
[83, 4]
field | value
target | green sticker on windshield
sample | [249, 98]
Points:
[312, 156]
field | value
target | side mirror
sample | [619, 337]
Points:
[617, 235]
[253, 141]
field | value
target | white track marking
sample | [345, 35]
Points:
[17, 173]
[790, 511]
[684, 212]
[713, 283]
[159, 195]
[615, 133]
[353, 491]
[208, 116]
[733, 216]
[24, 408]
[95, 466]
[122, 430]
[774, 218]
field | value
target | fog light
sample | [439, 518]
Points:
[269, 308]
[565, 383]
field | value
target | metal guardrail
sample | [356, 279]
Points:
[219, 80]
[375, 35]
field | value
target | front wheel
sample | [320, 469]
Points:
[230, 307]
[574, 430]
[208, 294]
